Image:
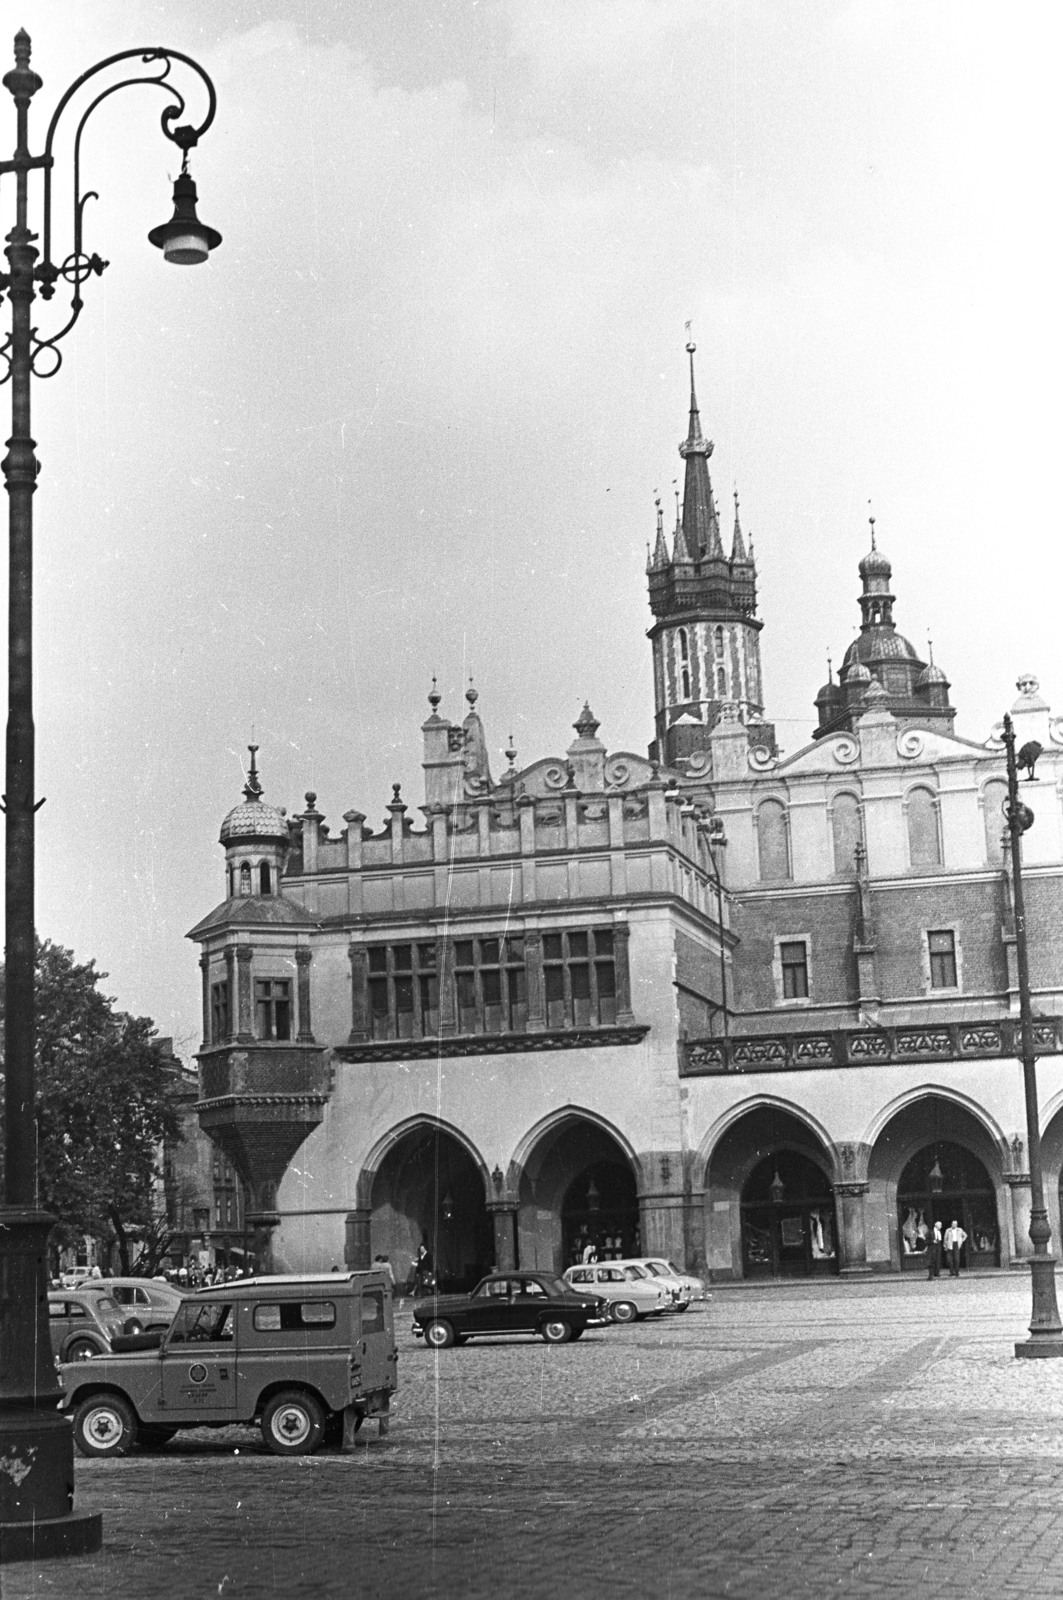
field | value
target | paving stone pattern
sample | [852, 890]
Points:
[794, 1441]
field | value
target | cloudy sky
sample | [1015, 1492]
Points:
[411, 418]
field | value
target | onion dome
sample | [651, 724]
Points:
[931, 675]
[253, 818]
[856, 673]
[875, 564]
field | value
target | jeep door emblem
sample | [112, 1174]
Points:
[198, 1372]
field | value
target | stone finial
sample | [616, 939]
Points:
[587, 725]
[472, 694]
[396, 803]
[253, 788]
[434, 697]
[311, 802]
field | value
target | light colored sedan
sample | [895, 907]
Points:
[690, 1288]
[632, 1292]
[149, 1303]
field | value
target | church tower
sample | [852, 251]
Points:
[706, 649]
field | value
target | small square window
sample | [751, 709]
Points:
[378, 958]
[942, 947]
[463, 953]
[489, 952]
[402, 955]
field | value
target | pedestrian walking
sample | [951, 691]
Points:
[955, 1239]
[934, 1252]
[423, 1281]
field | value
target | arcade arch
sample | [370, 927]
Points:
[769, 1205]
[577, 1187]
[935, 1160]
[429, 1186]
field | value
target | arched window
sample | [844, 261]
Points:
[848, 832]
[924, 838]
[721, 683]
[994, 796]
[684, 646]
[245, 878]
[232, 885]
[719, 643]
[684, 668]
[773, 843]
[264, 879]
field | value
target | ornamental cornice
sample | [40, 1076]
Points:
[865, 1047]
[227, 1101]
[495, 1044]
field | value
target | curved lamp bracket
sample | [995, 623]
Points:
[77, 266]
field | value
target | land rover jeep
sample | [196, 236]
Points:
[308, 1358]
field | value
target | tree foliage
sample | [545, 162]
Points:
[103, 1110]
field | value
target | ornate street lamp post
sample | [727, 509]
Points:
[36, 1443]
[1046, 1331]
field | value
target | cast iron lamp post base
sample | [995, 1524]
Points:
[37, 1518]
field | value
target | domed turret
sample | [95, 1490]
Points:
[255, 836]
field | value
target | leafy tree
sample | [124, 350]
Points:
[103, 1110]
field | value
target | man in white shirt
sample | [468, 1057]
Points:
[955, 1238]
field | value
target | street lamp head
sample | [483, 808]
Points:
[185, 240]
[1028, 757]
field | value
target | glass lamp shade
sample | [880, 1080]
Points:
[185, 240]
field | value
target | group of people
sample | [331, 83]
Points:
[197, 1277]
[949, 1243]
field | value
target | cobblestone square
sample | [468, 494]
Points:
[860, 1439]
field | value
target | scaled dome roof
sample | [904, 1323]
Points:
[254, 819]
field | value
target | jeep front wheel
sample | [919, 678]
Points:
[105, 1425]
[293, 1424]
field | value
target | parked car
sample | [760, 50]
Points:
[694, 1287]
[149, 1303]
[510, 1302]
[631, 1291]
[307, 1358]
[679, 1285]
[82, 1324]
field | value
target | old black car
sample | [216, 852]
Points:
[509, 1302]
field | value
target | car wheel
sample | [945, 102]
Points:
[81, 1349]
[153, 1435]
[293, 1424]
[624, 1311]
[439, 1335]
[684, 1306]
[134, 1325]
[557, 1332]
[105, 1425]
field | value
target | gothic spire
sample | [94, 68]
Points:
[701, 526]
[738, 546]
[660, 549]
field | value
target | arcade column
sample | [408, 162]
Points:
[852, 1240]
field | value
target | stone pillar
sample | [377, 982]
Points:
[311, 821]
[504, 1218]
[621, 953]
[230, 984]
[448, 1006]
[852, 1242]
[302, 963]
[356, 954]
[204, 967]
[533, 959]
[354, 820]
[356, 1249]
[1019, 1184]
[245, 1023]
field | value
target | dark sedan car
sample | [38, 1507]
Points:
[509, 1302]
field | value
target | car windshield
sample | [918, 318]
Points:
[656, 1269]
[104, 1302]
[635, 1272]
[554, 1285]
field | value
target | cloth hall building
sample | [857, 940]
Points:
[755, 1012]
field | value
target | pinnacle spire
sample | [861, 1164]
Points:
[738, 546]
[660, 549]
[701, 526]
